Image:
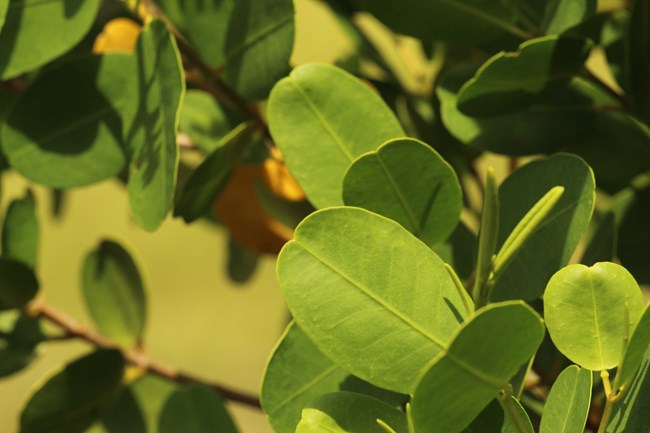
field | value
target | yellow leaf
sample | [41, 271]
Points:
[278, 179]
[119, 34]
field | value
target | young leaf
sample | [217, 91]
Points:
[634, 351]
[35, 33]
[78, 141]
[20, 336]
[586, 310]
[18, 284]
[348, 412]
[409, 182]
[372, 297]
[485, 353]
[487, 239]
[20, 231]
[339, 116]
[195, 409]
[114, 293]
[296, 374]
[72, 399]
[151, 133]
[511, 81]
[567, 406]
[561, 16]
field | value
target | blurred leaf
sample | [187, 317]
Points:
[18, 284]
[631, 414]
[511, 81]
[75, 397]
[119, 34]
[114, 293]
[195, 409]
[4, 4]
[35, 33]
[64, 130]
[483, 356]
[634, 236]
[561, 16]
[124, 416]
[529, 271]
[612, 38]
[567, 407]
[59, 200]
[242, 263]
[19, 337]
[210, 177]
[151, 135]
[340, 118]
[388, 318]
[289, 213]
[409, 182]
[634, 351]
[638, 59]
[584, 308]
[20, 231]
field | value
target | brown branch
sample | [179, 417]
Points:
[74, 329]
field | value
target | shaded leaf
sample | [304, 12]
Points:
[459, 251]
[612, 38]
[20, 231]
[638, 59]
[20, 336]
[634, 351]
[631, 413]
[195, 409]
[634, 235]
[18, 284]
[242, 263]
[567, 406]
[561, 16]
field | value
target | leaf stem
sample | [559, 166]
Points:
[504, 397]
[487, 239]
[73, 329]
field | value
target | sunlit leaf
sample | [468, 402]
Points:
[567, 406]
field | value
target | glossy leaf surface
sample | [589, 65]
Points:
[20, 231]
[568, 403]
[195, 409]
[322, 119]
[408, 182]
[18, 284]
[586, 310]
[370, 295]
[114, 293]
[483, 356]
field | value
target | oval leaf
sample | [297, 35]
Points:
[370, 295]
[114, 293]
[19, 337]
[18, 284]
[20, 231]
[408, 182]
[322, 118]
[585, 311]
[567, 406]
[485, 354]
[195, 409]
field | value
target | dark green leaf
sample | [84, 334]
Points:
[195, 409]
[18, 284]
[124, 416]
[289, 213]
[75, 397]
[631, 414]
[612, 38]
[459, 250]
[3, 12]
[114, 293]
[511, 81]
[561, 16]
[36, 32]
[242, 263]
[20, 231]
[567, 406]
[634, 351]
[638, 59]
[634, 236]
[19, 337]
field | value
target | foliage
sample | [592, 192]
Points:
[420, 289]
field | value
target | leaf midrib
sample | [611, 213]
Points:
[327, 372]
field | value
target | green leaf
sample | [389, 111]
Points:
[296, 374]
[567, 406]
[484, 355]
[493, 420]
[516, 418]
[487, 240]
[4, 4]
[195, 409]
[114, 293]
[348, 412]
[242, 263]
[634, 235]
[631, 413]
[637, 83]
[634, 351]
[561, 16]
[124, 416]
[210, 177]
[20, 336]
[151, 134]
[35, 33]
[589, 312]
[465, 21]
[459, 251]
[340, 117]
[73, 398]
[20, 231]
[65, 130]
[289, 213]
[372, 297]
[529, 271]
[258, 45]
[408, 182]
[509, 82]
[612, 39]
[18, 284]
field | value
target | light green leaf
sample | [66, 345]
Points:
[36, 32]
[151, 135]
[372, 297]
[210, 177]
[195, 409]
[631, 414]
[258, 45]
[586, 310]
[322, 119]
[483, 356]
[204, 120]
[567, 406]
[114, 293]
[465, 21]
[487, 239]
[20, 336]
[508, 82]
[296, 374]
[72, 399]
[65, 130]
[634, 351]
[4, 4]
[529, 271]
[18, 284]
[561, 16]
[20, 231]
[348, 412]
[408, 182]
